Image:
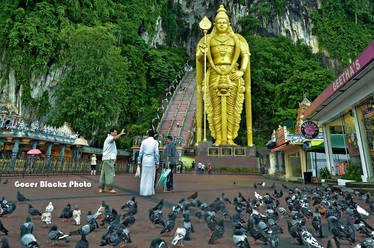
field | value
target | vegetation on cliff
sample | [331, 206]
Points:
[111, 77]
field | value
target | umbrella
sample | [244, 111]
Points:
[34, 152]
[163, 177]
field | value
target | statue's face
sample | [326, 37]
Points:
[221, 25]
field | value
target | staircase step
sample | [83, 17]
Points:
[360, 185]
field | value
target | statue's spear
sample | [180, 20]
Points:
[205, 25]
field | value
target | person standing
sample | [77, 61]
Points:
[170, 153]
[148, 160]
[109, 158]
[93, 165]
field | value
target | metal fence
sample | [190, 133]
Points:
[34, 165]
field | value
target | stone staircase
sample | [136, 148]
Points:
[178, 119]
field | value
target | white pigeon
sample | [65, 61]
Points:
[47, 216]
[180, 233]
[263, 184]
[258, 196]
[49, 208]
[309, 240]
[77, 216]
[361, 211]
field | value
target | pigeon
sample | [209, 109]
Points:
[240, 239]
[6, 181]
[225, 198]
[308, 239]
[82, 243]
[255, 234]
[115, 233]
[193, 196]
[77, 216]
[100, 210]
[67, 213]
[272, 186]
[47, 215]
[294, 230]
[86, 229]
[241, 197]
[3, 229]
[362, 211]
[4, 242]
[316, 223]
[28, 225]
[28, 239]
[33, 211]
[158, 243]
[21, 198]
[156, 215]
[218, 232]
[6, 207]
[169, 224]
[55, 235]
[188, 226]
[180, 233]
[129, 221]
[132, 206]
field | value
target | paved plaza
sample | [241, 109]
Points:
[87, 198]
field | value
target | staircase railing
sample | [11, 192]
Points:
[187, 110]
[171, 100]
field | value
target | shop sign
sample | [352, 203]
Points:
[309, 129]
[281, 136]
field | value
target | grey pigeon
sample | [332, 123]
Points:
[158, 243]
[3, 229]
[169, 224]
[27, 239]
[6, 207]
[82, 243]
[129, 221]
[56, 234]
[309, 240]
[188, 226]
[86, 229]
[218, 232]
[4, 242]
[132, 206]
[67, 212]
[33, 211]
[193, 196]
[240, 239]
[28, 225]
[156, 215]
[6, 181]
[316, 223]
[21, 197]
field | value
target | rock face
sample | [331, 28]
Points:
[293, 21]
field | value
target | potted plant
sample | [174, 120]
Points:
[324, 174]
[352, 174]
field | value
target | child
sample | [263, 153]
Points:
[93, 164]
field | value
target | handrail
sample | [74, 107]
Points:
[180, 103]
[171, 100]
[187, 110]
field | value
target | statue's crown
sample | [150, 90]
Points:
[221, 13]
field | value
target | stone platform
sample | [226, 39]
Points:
[226, 156]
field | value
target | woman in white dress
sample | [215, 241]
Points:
[148, 160]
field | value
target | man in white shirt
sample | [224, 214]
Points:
[149, 160]
[109, 158]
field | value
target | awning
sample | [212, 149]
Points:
[337, 141]
[279, 148]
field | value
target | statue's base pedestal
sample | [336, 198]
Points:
[226, 156]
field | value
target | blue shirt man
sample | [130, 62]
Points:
[170, 154]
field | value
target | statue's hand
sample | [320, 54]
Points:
[203, 48]
[236, 75]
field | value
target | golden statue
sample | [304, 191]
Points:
[225, 83]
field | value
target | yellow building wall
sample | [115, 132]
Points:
[290, 172]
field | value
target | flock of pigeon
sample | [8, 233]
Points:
[305, 210]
